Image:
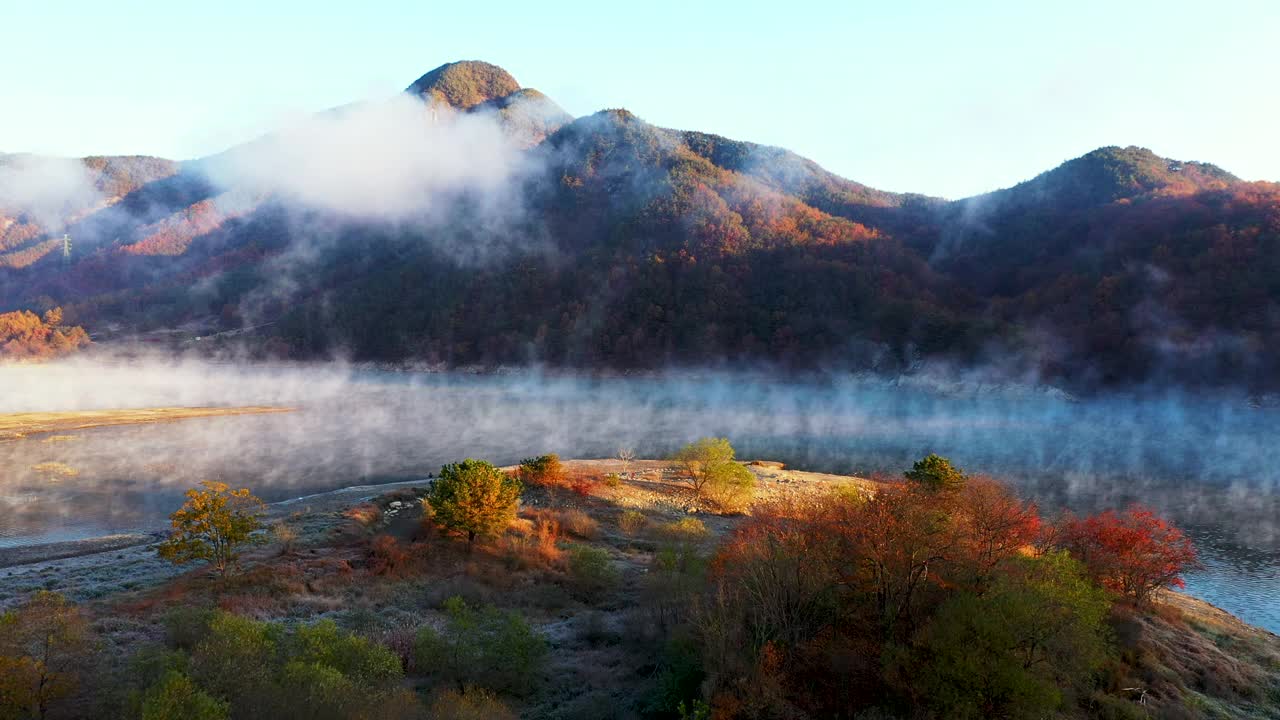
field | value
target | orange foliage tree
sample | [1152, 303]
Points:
[27, 336]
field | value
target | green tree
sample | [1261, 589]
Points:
[936, 473]
[311, 672]
[43, 647]
[485, 646]
[1012, 652]
[235, 660]
[358, 658]
[212, 525]
[176, 697]
[474, 497]
[712, 472]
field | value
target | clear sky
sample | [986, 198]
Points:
[945, 98]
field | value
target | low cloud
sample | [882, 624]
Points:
[390, 160]
[47, 191]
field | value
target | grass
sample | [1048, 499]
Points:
[15, 426]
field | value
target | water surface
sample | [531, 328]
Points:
[1200, 459]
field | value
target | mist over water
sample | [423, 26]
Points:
[1201, 459]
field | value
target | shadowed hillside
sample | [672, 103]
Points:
[524, 235]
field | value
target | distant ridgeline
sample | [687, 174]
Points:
[610, 242]
[25, 336]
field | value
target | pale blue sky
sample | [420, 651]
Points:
[946, 98]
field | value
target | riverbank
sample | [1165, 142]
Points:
[1183, 653]
[17, 426]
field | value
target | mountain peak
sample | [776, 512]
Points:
[1114, 173]
[1144, 167]
[465, 84]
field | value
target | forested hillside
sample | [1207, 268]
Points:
[605, 241]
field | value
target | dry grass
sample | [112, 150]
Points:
[689, 529]
[579, 523]
[55, 470]
[389, 587]
[473, 704]
[15, 426]
[632, 523]
[533, 541]
[366, 515]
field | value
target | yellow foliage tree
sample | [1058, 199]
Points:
[713, 473]
[212, 525]
[43, 645]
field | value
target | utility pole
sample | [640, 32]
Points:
[66, 248]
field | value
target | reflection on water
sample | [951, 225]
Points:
[1197, 459]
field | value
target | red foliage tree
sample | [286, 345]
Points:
[892, 548]
[997, 526]
[1134, 553]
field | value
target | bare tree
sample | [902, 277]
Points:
[626, 455]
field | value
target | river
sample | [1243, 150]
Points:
[1199, 458]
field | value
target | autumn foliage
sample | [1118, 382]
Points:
[929, 595]
[213, 525]
[1134, 552]
[44, 645]
[27, 336]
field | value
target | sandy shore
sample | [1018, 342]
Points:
[15, 426]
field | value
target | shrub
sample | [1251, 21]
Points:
[312, 691]
[546, 470]
[359, 659]
[592, 628]
[313, 672]
[176, 697]
[579, 523]
[387, 556]
[613, 480]
[675, 576]
[583, 485]
[475, 498]
[591, 571]
[366, 515]
[632, 522]
[286, 535]
[186, 625]
[487, 646]
[537, 542]
[686, 529]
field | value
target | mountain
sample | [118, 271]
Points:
[479, 87]
[473, 221]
